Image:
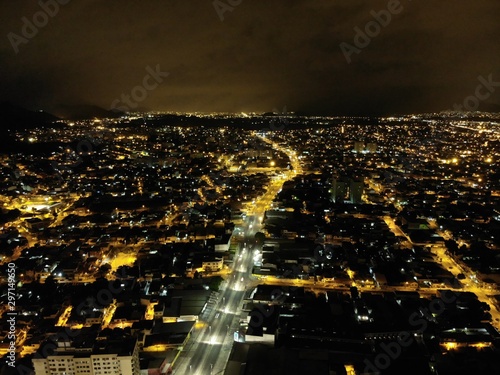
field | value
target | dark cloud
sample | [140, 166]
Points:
[264, 55]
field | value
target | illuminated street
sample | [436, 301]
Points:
[210, 351]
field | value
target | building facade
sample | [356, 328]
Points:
[91, 361]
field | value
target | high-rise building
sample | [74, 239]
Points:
[371, 147]
[358, 146]
[356, 190]
[101, 357]
[339, 189]
[346, 188]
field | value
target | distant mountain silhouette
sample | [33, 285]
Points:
[84, 112]
[13, 117]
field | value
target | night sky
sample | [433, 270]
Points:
[264, 55]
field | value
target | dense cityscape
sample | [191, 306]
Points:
[237, 187]
[156, 243]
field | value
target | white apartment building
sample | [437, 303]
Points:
[102, 359]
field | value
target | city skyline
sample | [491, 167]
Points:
[312, 57]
